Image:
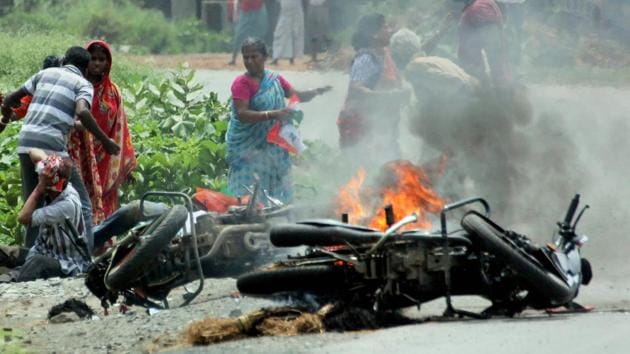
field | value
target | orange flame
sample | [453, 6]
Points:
[405, 186]
[349, 199]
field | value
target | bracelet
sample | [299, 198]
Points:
[266, 115]
[2, 122]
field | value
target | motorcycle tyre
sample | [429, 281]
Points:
[122, 275]
[313, 278]
[545, 284]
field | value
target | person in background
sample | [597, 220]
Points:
[59, 94]
[369, 119]
[60, 246]
[318, 27]
[102, 173]
[250, 17]
[482, 45]
[258, 102]
[288, 37]
[51, 61]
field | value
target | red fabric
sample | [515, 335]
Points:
[20, 112]
[243, 5]
[213, 200]
[244, 87]
[273, 137]
[481, 12]
[390, 73]
[352, 127]
[250, 5]
[219, 202]
[103, 173]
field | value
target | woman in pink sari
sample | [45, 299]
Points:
[103, 174]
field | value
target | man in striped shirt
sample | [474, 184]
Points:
[58, 251]
[59, 94]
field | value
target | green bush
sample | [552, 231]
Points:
[10, 187]
[178, 134]
[120, 22]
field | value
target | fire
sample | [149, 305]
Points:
[349, 200]
[401, 184]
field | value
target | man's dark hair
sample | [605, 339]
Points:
[52, 61]
[256, 43]
[77, 56]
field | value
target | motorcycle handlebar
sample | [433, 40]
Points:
[571, 211]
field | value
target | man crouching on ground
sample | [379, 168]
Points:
[57, 252]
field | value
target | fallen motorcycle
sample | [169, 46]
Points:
[163, 251]
[395, 269]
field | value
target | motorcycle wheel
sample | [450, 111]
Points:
[144, 252]
[546, 286]
[313, 278]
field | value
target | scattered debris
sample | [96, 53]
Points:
[290, 321]
[69, 311]
[275, 322]
[64, 317]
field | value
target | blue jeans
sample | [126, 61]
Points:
[29, 182]
[124, 219]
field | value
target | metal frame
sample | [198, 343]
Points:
[188, 297]
[450, 310]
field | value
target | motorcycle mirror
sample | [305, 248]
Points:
[580, 216]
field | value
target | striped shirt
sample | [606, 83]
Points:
[50, 115]
[55, 239]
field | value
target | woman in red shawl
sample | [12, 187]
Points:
[103, 173]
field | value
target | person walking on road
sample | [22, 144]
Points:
[250, 17]
[288, 38]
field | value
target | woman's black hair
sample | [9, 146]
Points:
[256, 43]
[52, 61]
[369, 26]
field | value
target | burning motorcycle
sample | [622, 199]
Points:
[395, 269]
[171, 247]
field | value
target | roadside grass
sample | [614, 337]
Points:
[122, 22]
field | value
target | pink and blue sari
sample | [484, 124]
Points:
[249, 153]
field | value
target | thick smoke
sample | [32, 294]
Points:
[574, 142]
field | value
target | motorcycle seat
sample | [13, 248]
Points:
[321, 232]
